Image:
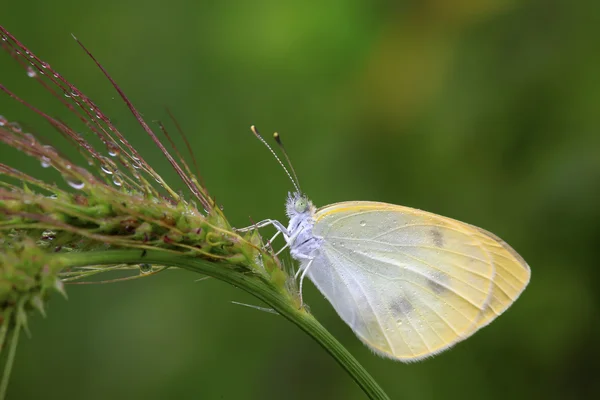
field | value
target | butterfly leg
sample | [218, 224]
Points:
[302, 279]
[276, 224]
[269, 243]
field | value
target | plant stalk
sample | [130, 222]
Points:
[252, 284]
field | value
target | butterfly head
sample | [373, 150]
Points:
[298, 204]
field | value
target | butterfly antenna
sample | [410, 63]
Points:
[253, 129]
[280, 143]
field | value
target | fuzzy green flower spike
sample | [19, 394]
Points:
[114, 216]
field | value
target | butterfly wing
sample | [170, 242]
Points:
[410, 283]
[511, 278]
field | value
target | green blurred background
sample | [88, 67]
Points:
[484, 111]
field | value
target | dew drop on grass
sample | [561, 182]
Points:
[113, 150]
[117, 181]
[145, 268]
[31, 72]
[74, 183]
[45, 161]
[106, 167]
[32, 139]
[49, 149]
[15, 127]
[3, 120]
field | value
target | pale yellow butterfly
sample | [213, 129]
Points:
[409, 283]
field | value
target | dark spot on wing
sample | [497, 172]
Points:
[438, 238]
[401, 305]
[438, 282]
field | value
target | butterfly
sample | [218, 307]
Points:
[409, 283]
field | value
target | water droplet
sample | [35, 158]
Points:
[31, 72]
[113, 150]
[363, 223]
[3, 120]
[67, 94]
[49, 149]
[74, 183]
[48, 235]
[145, 268]
[45, 161]
[15, 127]
[106, 166]
[45, 65]
[117, 181]
[31, 138]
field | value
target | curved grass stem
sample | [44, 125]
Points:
[12, 350]
[254, 285]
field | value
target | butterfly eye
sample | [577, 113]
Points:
[301, 205]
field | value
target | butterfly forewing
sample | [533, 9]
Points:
[409, 283]
[512, 276]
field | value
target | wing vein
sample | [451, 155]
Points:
[423, 287]
[373, 309]
[432, 267]
[409, 246]
[397, 228]
[424, 247]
